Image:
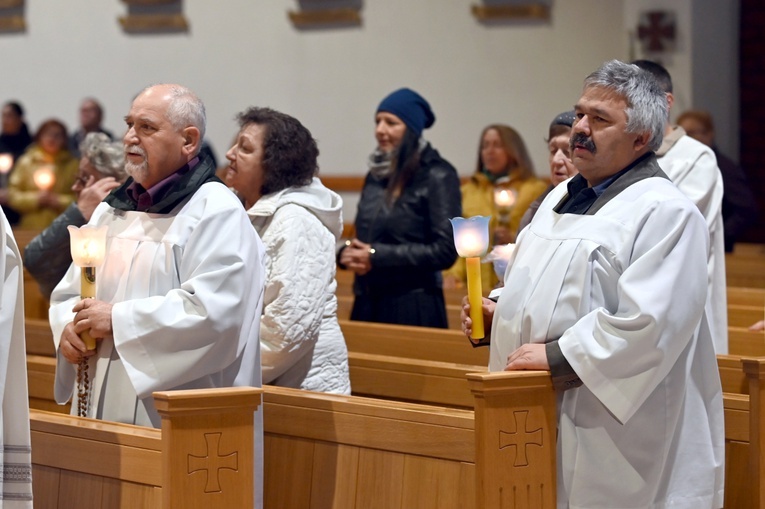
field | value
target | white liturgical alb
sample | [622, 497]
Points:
[623, 291]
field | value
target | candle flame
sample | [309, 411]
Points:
[44, 178]
[6, 163]
[88, 245]
[469, 241]
[504, 198]
[471, 236]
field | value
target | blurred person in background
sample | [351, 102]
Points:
[40, 203]
[102, 168]
[739, 208]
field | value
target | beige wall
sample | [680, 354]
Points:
[245, 52]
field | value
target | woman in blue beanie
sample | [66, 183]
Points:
[403, 235]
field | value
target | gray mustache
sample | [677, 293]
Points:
[584, 141]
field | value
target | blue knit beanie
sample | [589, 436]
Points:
[566, 118]
[410, 107]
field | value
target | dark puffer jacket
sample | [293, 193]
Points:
[412, 241]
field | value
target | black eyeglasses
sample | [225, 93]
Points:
[81, 180]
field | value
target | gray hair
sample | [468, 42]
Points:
[186, 109]
[106, 156]
[647, 107]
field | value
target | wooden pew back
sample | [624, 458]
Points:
[742, 341]
[366, 453]
[443, 345]
[743, 296]
[202, 457]
[440, 383]
[741, 315]
[745, 266]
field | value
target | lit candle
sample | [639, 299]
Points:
[504, 198]
[88, 246]
[471, 238]
[45, 178]
[6, 163]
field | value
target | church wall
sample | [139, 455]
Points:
[715, 79]
[242, 52]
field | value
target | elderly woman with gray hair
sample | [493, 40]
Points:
[102, 168]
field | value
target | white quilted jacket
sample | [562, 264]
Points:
[301, 342]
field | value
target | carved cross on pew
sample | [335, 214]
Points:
[520, 438]
[213, 464]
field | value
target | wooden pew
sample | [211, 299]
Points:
[746, 296]
[413, 380]
[438, 382]
[377, 366]
[736, 401]
[201, 458]
[740, 315]
[383, 361]
[742, 341]
[743, 449]
[365, 453]
[443, 345]
[746, 266]
[744, 431]
[326, 450]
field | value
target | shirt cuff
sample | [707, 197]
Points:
[563, 375]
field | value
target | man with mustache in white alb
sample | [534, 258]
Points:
[606, 288]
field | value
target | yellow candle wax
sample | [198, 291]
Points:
[88, 291]
[473, 265]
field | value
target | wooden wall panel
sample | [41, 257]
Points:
[79, 491]
[297, 493]
[435, 484]
[45, 485]
[335, 471]
[120, 494]
[381, 479]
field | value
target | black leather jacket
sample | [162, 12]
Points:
[412, 239]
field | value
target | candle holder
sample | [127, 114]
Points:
[471, 238]
[88, 246]
[504, 200]
[45, 178]
[6, 163]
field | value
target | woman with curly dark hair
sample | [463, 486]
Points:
[273, 167]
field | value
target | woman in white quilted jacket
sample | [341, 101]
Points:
[272, 166]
